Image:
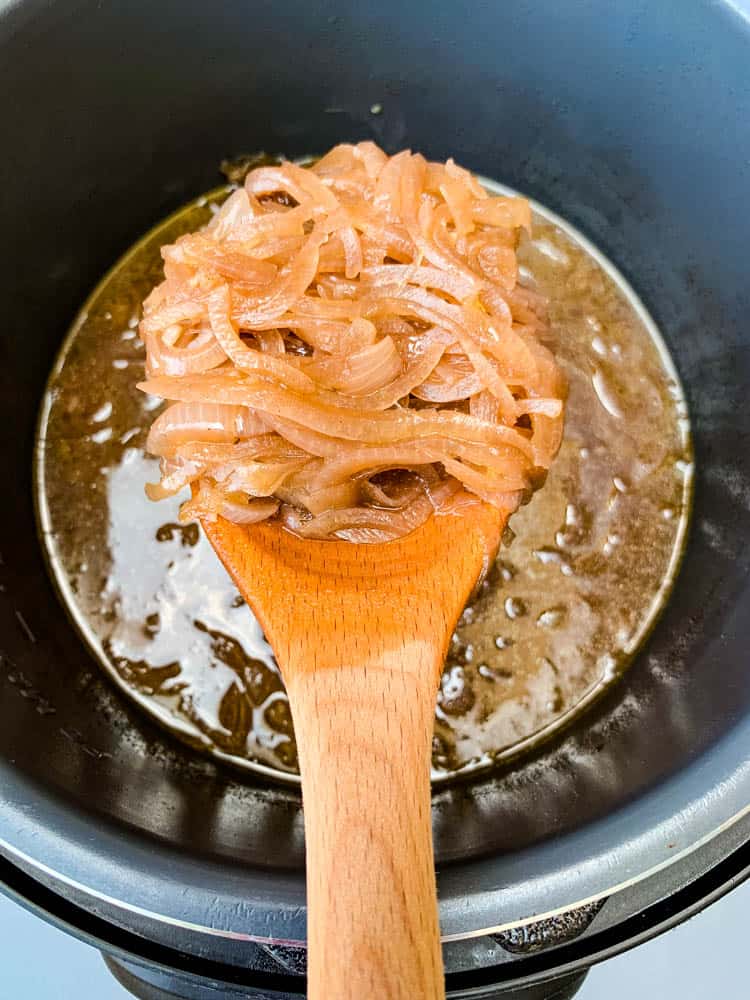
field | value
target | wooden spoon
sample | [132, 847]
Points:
[360, 633]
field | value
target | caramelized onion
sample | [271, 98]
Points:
[200, 422]
[349, 349]
[201, 354]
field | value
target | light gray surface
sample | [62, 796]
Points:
[701, 960]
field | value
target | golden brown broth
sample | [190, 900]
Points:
[560, 615]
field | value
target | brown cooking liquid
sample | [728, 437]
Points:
[559, 617]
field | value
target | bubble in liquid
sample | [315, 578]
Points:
[551, 618]
[514, 607]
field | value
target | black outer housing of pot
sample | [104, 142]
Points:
[630, 120]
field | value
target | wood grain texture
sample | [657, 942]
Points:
[360, 633]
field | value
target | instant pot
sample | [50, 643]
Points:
[630, 120]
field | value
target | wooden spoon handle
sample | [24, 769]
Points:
[364, 737]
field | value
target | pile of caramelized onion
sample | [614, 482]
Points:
[347, 347]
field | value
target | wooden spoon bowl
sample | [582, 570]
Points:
[360, 633]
